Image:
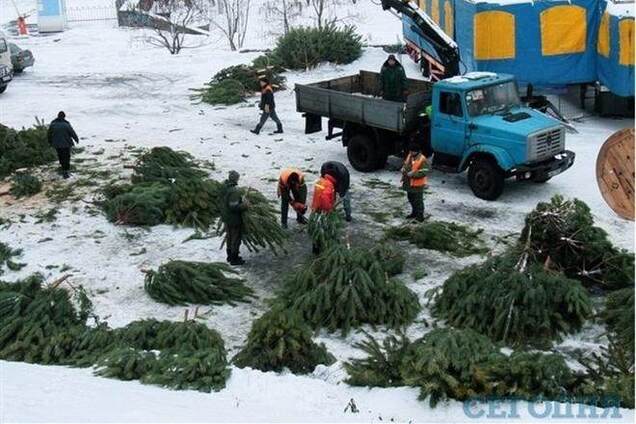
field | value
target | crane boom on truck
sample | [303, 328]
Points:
[445, 47]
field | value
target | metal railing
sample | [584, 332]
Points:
[96, 10]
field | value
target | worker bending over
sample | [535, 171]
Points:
[341, 174]
[414, 180]
[324, 199]
[292, 191]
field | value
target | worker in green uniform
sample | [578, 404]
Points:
[234, 207]
[393, 83]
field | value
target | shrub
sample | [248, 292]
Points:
[25, 185]
[441, 363]
[162, 164]
[381, 367]
[181, 282]
[143, 204]
[281, 339]
[561, 233]
[456, 239]
[619, 317]
[24, 148]
[345, 288]
[524, 375]
[498, 299]
[226, 92]
[305, 47]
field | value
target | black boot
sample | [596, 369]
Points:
[237, 261]
[279, 130]
[255, 131]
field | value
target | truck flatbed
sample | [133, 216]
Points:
[351, 99]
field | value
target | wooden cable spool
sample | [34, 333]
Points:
[615, 172]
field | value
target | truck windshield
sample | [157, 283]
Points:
[492, 99]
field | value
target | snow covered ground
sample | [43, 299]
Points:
[121, 94]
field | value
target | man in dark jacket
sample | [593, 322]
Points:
[393, 84]
[340, 172]
[268, 108]
[62, 137]
[234, 207]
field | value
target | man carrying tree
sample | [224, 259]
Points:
[340, 172]
[414, 180]
[232, 216]
[62, 137]
[393, 83]
[324, 199]
[292, 191]
[268, 108]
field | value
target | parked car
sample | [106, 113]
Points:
[20, 59]
[6, 70]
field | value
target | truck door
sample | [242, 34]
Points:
[5, 53]
[448, 130]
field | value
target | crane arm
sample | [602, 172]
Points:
[444, 46]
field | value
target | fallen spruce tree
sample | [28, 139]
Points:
[25, 185]
[24, 148]
[561, 235]
[234, 84]
[260, 224]
[619, 317]
[459, 364]
[346, 287]
[448, 237]
[182, 282]
[48, 325]
[281, 339]
[512, 301]
[168, 187]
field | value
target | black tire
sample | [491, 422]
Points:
[3, 89]
[486, 179]
[362, 153]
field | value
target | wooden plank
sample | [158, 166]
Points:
[615, 172]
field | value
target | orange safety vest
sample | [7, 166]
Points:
[416, 165]
[324, 194]
[286, 173]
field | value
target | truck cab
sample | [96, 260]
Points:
[477, 122]
[6, 68]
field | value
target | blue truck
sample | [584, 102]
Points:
[474, 122]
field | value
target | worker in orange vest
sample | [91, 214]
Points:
[324, 200]
[292, 191]
[414, 180]
[268, 108]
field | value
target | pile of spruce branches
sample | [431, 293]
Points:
[24, 148]
[182, 282]
[169, 187]
[49, 325]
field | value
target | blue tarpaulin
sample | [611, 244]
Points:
[615, 58]
[546, 43]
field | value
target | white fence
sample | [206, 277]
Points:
[90, 10]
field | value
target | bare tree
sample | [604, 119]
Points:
[172, 20]
[232, 20]
[327, 12]
[282, 11]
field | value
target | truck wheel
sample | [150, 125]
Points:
[3, 89]
[362, 153]
[486, 179]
